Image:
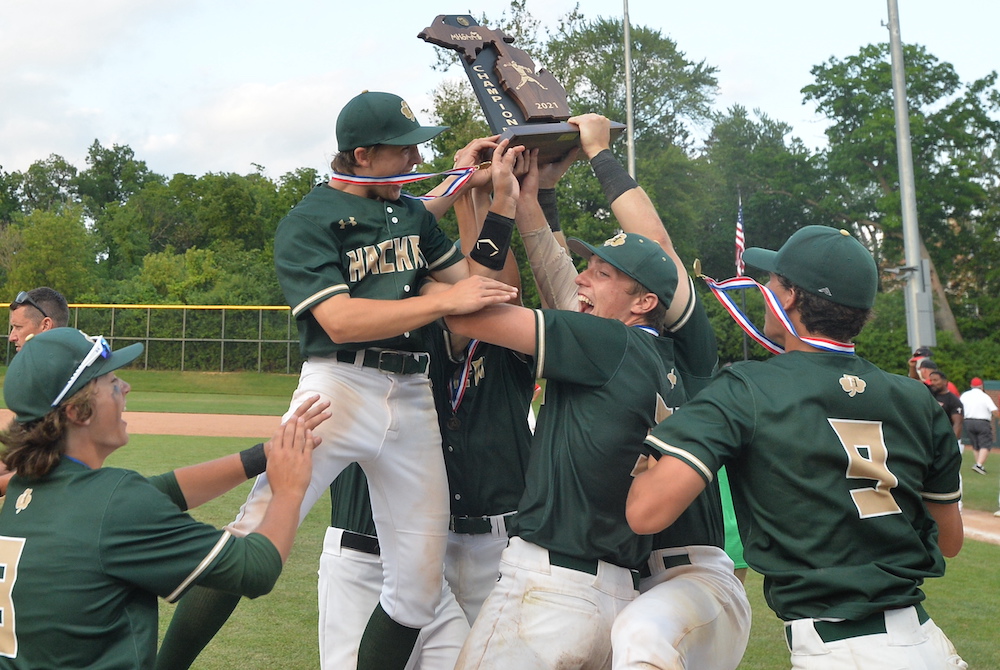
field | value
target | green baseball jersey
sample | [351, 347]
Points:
[335, 242]
[482, 404]
[695, 355]
[485, 434]
[831, 461]
[604, 384]
[85, 554]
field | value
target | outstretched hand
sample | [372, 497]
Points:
[595, 133]
[475, 292]
[505, 185]
[475, 153]
[313, 412]
[289, 463]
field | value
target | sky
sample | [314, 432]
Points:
[200, 86]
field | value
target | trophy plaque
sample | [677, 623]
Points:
[522, 103]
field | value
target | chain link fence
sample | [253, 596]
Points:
[204, 338]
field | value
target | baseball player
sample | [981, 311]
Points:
[845, 477]
[482, 394]
[35, 311]
[87, 549]
[979, 410]
[350, 581]
[690, 597]
[350, 258]
[572, 565]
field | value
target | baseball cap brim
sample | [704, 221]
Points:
[765, 259]
[416, 136]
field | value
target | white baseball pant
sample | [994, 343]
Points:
[386, 423]
[349, 585]
[906, 643]
[692, 613]
[545, 616]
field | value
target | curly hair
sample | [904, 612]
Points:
[34, 448]
[825, 317]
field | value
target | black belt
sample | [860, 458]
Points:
[833, 631]
[396, 362]
[668, 562]
[585, 565]
[470, 525]
[968, 419]
[358, 542]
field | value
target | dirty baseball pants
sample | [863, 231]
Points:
[350, 581]
[386, 423]
[692, 613]
[543, 616]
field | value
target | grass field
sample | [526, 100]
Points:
[279, 630]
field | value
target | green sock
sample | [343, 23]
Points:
[200, 613]
[386, 645]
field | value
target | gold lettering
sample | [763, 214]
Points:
[384, 264]
[418, 257]
[512, 122]
[371, 259]
[356, 270]
[403, 260]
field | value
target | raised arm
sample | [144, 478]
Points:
[551, 264]
[629, 202]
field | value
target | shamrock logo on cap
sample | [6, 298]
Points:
[407, 112]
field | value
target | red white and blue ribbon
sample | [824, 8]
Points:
[464, 175]
[721, 288]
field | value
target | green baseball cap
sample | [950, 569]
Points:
[55, 364]
[824, 261]
[380, 118]
[639, 257]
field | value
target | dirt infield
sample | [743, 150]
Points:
[203, 425]
[979, 525]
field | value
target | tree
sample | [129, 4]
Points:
[113, 176]
[48, 184]
[954, 134]
[10, 201]
[775, 175]
[55, 249]
[669, 91]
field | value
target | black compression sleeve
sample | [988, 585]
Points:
[494, 241]
[254, 460]
[613, 178]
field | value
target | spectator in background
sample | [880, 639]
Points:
[35, 311]
[937, 381]
[979, 411]
[921, 366]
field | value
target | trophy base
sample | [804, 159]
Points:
[553, 140]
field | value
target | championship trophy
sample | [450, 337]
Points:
[522, 103]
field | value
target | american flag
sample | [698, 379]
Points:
[741, 242]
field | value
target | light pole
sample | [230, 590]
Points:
[629, 118]
[919, 304]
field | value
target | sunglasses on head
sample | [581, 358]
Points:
[101, 349]
[24, 299]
